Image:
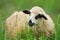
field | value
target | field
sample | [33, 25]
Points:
[7, 7]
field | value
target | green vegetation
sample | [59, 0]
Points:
[7, 7]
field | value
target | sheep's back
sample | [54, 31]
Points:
[16, 22]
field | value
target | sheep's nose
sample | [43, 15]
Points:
[30, 23]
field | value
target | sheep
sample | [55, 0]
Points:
[17, 22]
[40, 22]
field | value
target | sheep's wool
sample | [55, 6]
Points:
[16, 22]
[45, 26]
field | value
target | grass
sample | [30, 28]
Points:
[7, 7]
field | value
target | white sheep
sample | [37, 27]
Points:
[17, 22]
[40, 22]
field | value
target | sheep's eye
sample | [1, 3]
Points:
[35, 17]
[38, 16]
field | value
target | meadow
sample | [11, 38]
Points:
[7, 7]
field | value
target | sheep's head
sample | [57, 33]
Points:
[35, 13]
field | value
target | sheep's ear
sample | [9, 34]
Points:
[26, 11]
[43, 16]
